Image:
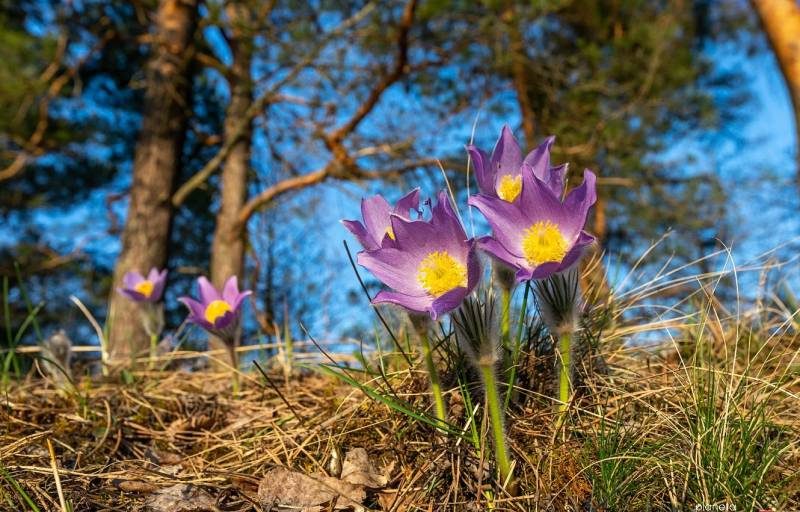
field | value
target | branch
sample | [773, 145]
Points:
[269, 96]
[341, 159]
[299, 182]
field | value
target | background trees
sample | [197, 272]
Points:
[260, 118]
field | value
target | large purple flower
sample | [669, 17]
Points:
[501, 174]
[376, 212]
[538, 235]
[431, 266]
[216, 312]
[144, 289]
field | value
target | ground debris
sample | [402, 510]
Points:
[284, 489]
[181, 498]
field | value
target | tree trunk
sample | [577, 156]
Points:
[519, 75]
[155, 168]
[781, 22]
[228, 247]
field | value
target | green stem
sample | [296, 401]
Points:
[563, 378]
[496, 418]
[234, 360]
[433, 374]
[505, 319]
[153, 345]
[517, 345]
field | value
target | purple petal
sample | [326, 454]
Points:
[360, 232]
[159, 280]
[225, 320]
[417, 303]
[375, 212]
[230, 290]
[496, 249]
[556, 179]
[395, 268]
[484, 174]
[448, 302]
[538, 203]
[539, 158]
[447, 225]
[473, 266]
[132, 294]
[208, 293]
[196, 312]
[407, 203]
[506, 219]
[576, 251]
[577, 204]
[236, 304]
[506, 156]
[131, 279]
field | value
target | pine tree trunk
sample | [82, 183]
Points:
[156, 165]
[781, 22]
[519, 75]
[228, 247]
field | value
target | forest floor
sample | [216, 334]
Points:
[659, 433]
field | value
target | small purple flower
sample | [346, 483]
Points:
[501, 174]
[140, 289]
[538, 235]
[217, 313]
[430, 265]
[376, 212]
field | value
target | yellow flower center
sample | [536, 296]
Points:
[390, 232]
[439, 273]
[144, 287]
[543, 242]
[509, 187]
[216, 309]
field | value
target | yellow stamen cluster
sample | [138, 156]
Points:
[509, 187]
[216, 309]
[390, 232]
[144, 287]
[543, 242]
[439, 273]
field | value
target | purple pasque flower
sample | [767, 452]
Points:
[217, 313]
[539, 234]
[377, 212]
[144, 289]
[430, 265]
[500, 175]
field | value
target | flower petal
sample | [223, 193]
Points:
[484, 174]
[230, 290]
[416, 303]
[407, 203]
[196, 312]
[394, 267]
[208, 293]
[506, 219]
[498, 251]
[506, 156]
[539, 158]
[131, 279]
[360, 232]
[376, 210]
[577, 204]
[447, 302]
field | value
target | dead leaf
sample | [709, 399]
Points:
[181, 498]
[282, 487]
[358, 470]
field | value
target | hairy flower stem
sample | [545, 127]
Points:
[153, 349]
[433, 375]
[234, 358]
[505, 319]
[493, 405]
[564, 342]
